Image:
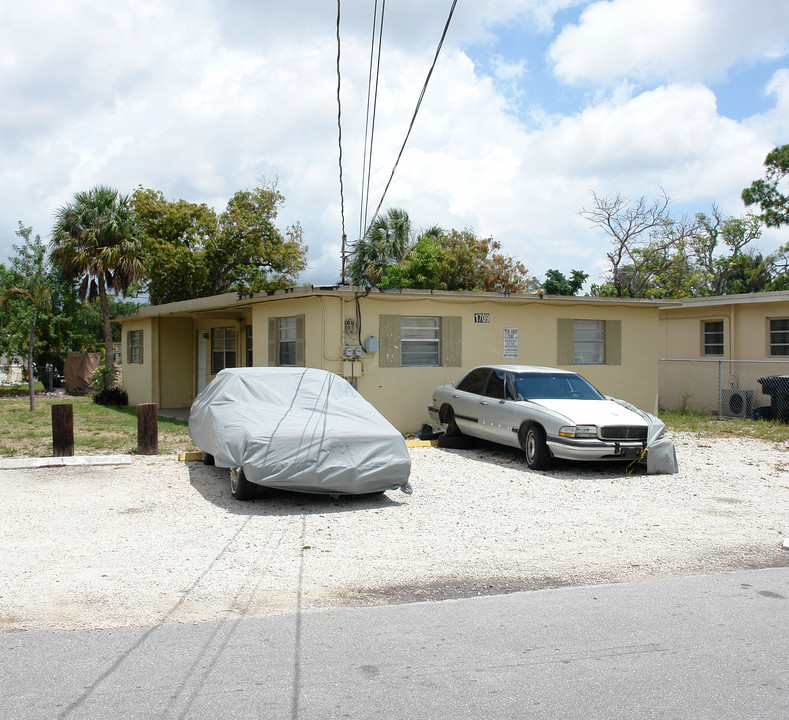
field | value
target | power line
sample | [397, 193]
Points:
[416, 110]
[365, 198]
[339, 139]
[367, 121]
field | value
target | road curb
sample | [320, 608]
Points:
[74, 461]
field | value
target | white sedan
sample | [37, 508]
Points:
[549, 413]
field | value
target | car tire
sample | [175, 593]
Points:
[449, 420]
[240, 487]
[538, 457]
[208, 459]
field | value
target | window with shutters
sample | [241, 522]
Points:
[223, 349]
[286, 341]
[589, 342]
[134, 346]
[419, 341]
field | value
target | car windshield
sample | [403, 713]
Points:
[554, 386]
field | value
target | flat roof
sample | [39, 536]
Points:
[738, 299]
[238, 301]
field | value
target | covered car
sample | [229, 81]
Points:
[550, 413]
[299, 429]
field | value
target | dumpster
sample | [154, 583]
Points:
[777, 387]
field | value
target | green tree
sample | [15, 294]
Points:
[776, 267]
[721, 272]
[656, 256]
[557, 284]
[38, 302]
[644, 237]
[385, 243]
[27, 285]
[96, 239]
[191, 252]
[766, 193]
[177, 234]
[708, 256]
[253, 255]
[63, 323]
[458, 260]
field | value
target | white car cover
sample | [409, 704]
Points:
[299, 429]
[661, 454]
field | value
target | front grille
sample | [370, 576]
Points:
[623, 432]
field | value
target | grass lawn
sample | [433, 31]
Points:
[97, 429]
[100, 429]
[772, 430]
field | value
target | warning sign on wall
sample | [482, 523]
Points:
[510, 342]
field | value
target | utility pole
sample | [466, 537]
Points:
[344, 241]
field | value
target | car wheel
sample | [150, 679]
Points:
[208, 459]
[538, 457]
[240, 487]
[449, 420]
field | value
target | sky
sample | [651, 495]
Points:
[533, 106]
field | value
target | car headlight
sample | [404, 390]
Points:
[578, 431]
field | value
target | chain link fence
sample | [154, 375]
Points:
[728, 388]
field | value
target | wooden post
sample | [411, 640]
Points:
[147, 429]
[63, 430]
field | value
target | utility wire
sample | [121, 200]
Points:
[366, 194]
[416, 110]
[339, 137]
[362, 217]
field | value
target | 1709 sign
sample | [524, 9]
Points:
[481, 317]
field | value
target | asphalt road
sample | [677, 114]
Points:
[710, 646]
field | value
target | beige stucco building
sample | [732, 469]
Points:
[714, 350]
[394, 346]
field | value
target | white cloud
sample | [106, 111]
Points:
[669, 40]
[526, 188]
[772, 125]
[202, 99]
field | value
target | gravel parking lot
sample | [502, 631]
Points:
[163, 541]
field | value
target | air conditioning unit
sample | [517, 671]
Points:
[736, 403]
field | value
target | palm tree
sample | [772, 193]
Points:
[39, 298]
[96, 238]
[385, 243]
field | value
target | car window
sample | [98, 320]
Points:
[496, 384]
[474, 382]
[556, 386]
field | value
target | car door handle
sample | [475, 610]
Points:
[455, 395]
[483, 402]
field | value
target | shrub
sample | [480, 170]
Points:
[111, 396]
[108, 393]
